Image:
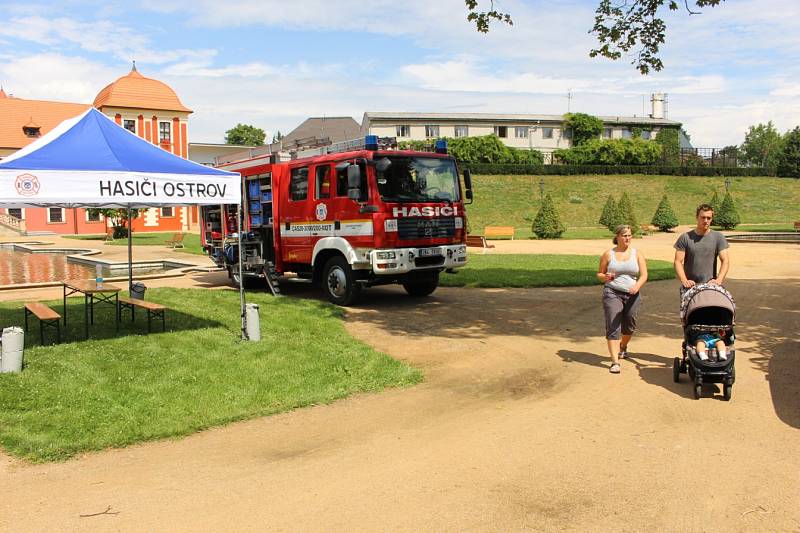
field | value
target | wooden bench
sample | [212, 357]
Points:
[176, 241]
[492, 232]
[47, 317]
[797, 226]
[153, 310]
[477, 241]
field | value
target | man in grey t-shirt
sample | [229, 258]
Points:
[696, 252]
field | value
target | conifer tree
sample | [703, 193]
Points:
[607, 216]
[547, 224]
[626, 214]
[664, 217]
[714, 202]
[728, 217]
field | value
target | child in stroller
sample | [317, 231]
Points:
[707, 317]
[708, 340]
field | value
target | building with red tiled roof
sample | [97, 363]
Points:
[145, 106]
[17, 113]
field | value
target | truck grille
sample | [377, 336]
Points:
[413, 228]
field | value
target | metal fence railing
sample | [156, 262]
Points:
[709, 157]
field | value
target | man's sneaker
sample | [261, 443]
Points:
[623, 353]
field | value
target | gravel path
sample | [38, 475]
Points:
[518, 426]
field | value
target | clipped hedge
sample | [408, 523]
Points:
[569, 170]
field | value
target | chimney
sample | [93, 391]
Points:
[658, 101]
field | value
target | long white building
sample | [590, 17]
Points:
[545, 133]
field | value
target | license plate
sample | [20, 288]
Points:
[427, 252]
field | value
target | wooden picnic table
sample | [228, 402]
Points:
[92, 292]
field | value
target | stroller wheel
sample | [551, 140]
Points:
[727, 391]
[676, 370]
[698, 389]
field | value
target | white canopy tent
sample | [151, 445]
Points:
[90, 161]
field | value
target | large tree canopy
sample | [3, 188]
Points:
[245, 135]
[762, 145]
[621, 27]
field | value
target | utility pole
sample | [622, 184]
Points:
[569, 100]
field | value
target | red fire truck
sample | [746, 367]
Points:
[347, 219]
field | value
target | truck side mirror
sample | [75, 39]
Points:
[354, 182]
[468, 184]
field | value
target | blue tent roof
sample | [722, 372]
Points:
[95, 143]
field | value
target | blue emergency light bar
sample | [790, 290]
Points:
[371, 142]
[440, 147]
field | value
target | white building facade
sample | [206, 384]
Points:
[545, 133]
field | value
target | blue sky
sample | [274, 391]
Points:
[274, 63]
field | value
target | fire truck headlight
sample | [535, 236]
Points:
[385, 255]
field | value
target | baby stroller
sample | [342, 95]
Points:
[707, 308]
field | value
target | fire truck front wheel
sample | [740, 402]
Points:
[422, 286]
[339, 283]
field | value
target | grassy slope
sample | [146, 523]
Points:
[514, 200]
[545, 270]
[115, 390]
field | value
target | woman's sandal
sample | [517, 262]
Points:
[614, 368]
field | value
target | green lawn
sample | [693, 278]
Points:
[514, 200]
[191, 241]
[524, 270]
[113, 390]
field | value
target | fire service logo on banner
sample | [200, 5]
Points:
[27, 185]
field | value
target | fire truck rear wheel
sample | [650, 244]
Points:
[339, 283]
[424, 287]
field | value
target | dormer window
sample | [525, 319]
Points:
[32, 131]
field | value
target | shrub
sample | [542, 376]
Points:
[789, 160]
[611, 152]
[583, 126]
[626, 214]
[526, 157]
[728, 217]
[664, 217]
[547, 224]
[609, 214]
[669, 139]
[714, 202]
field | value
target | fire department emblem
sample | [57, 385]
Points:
[27, 185]
[322, 212]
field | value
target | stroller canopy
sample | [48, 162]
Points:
[708, 304]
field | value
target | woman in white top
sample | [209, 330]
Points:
[623, 271]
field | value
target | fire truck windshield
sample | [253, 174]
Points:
[418, 179]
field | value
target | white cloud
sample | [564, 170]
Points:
[102, 36]
[55, 77]
[729, 68]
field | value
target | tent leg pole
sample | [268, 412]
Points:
[241, 273]
[130, 251]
